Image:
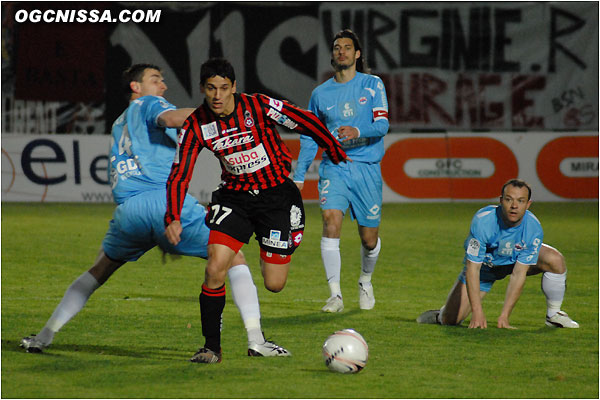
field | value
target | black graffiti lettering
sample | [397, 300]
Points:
[555, 33]
[387, 25]
[503, 17]
[409, 58]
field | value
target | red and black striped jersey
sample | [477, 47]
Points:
[246, 142]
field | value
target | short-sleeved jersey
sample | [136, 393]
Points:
[361, 103]
[247, 144]
[492, 243]
[141, 151]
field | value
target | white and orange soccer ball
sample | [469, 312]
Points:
[345, 351]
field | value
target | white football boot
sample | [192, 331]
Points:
[366, 299]
[267, 349]
[561, 320]
[334, 304]
[32, 344]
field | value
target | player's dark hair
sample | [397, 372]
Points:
[361, 62]
[216, 67]
[518, 183]
[135, 73]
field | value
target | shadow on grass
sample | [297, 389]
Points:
[156, 353]
[312, 318]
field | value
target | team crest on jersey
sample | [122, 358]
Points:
[210, 131]
[295, 217]
[248, 121]
[362, 101]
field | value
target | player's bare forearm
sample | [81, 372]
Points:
[478, 319]
[513, 292]
[174, 118]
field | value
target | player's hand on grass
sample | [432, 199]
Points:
[478, 321]
[173, 232]
[504, 324]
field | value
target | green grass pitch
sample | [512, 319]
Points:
[136, 334]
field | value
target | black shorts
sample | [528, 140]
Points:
[276, 215]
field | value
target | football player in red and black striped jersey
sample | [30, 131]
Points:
[256, 195]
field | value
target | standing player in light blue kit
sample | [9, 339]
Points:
[143, 145]
[506, 239]
[354, 107]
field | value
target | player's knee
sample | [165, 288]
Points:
[369, 243]
[554, 261]
[274, 286]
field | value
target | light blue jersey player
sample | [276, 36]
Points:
[506, 239]
[354, 107]
[497, 246]
[142, 151]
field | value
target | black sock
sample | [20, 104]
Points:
[212, 303]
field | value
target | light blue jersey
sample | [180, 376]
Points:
[361, 103]
[141, 156]
[497, 246]
[141, 151]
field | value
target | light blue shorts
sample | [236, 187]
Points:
[355, 185]
[138, 225]
[488, 275]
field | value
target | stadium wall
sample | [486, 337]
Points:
[416, 167]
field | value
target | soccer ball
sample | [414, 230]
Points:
[345, 351]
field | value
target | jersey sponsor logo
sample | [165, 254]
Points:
[505, 249]
[232, 141]
[276, 104]
[353, 143]
[473, 247]
[164, 104]
[371, 91]
[362, 101]
[281, 119]
[295, 217]
[245, 162]
[380, 113]
[210, 131]
[375, 211]
[274, 240]
[330, 107]
[180, 136]
[226, 131]
[348, 111]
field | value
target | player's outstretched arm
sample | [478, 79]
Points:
[472, 276]
[513, 292]
[174, 118]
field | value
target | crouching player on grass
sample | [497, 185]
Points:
[505, 239]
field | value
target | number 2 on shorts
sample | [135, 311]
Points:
[216, 208]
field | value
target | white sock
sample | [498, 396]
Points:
[368, 261]
[72, 302]
[245, 298]
[332, 261]
[554, 286]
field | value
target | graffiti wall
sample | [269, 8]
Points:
[453, 66]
